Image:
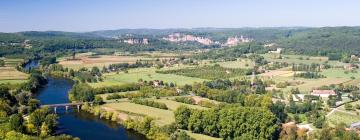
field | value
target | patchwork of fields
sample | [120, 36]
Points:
[9, 74]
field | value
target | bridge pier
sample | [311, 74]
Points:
[78, 108]
[66, 105]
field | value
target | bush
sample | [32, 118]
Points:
[282, 84]
[208, 104]
[150, 103]
[115, 96]
[186, 100]
[357, 106]
[348, 107]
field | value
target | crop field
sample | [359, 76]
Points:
[148, 74]
[99, 61]
[12, 62]
[11, 75]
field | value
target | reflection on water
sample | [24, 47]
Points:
[81, 124]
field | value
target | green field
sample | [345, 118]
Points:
[148, 74]
[241, 63]
[12, 62]
[161, 116]
[342, 117]
[173, 105]
[295, 59]
[340, 73]
[200, 136]
[12, 76]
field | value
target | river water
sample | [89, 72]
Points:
[81, 124]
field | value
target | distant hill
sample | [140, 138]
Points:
[318, 40]
[303, 40]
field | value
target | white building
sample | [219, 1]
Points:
[323, 93]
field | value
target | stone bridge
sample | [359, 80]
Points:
[66, 105]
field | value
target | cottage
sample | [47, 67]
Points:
[323, 93]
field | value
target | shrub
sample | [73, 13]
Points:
[186, 100]
[348, 107]
[150, 103]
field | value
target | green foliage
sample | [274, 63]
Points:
[232, 53]
[282, 84]
[186, 100]
[310, 75]
[2, 63]
[16, 123]
[117, 88]
[209, 72]
[337, 132]
[41, 119]
[98, 100]
[150, 103]
[82, 92]
[180, 135]
[348, 106]
[330, 41]
[229, 122]
[182, 115]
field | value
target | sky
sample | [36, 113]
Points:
[90, 15]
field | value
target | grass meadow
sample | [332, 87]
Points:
[148, 74]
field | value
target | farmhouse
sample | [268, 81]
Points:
[323, 93]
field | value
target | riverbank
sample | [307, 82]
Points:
[81, 124]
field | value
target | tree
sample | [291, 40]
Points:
[36, 119]
[319, 122]
[182, 115]
[348, 106]
[16, 122]
[195, 123]
[42, 121]
[51, 122]
[33, 104]
[279, 110]
[82, 92]
[44, 130]
[98, 100]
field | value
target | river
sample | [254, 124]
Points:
[81, 124]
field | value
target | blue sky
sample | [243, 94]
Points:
[88, 15]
